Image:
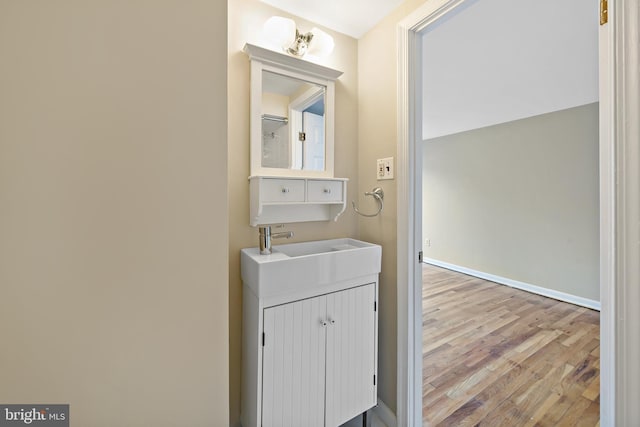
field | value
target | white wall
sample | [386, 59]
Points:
[113, 210]
[481, 69]
[518, 200]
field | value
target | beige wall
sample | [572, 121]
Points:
[113, 210]
[246, 18]
[377, 89]
[277, 105]
[518, 200]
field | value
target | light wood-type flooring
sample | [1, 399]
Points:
[497, 356]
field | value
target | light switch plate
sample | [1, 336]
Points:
[385, 168]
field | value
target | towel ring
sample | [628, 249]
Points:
[377, 194]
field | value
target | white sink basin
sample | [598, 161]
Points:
[319, 247]
[301, 266]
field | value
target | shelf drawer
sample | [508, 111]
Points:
[324, 191]
[282, 190]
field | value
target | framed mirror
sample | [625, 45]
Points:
[293, 123]
[292, 116]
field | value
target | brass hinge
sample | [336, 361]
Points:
[604, 12]
[420, 257]
[302, 136]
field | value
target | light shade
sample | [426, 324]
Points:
[322, 43]
[279, 31]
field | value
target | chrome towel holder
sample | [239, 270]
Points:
[377, 194]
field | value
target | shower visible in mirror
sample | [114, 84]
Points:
[293, 123]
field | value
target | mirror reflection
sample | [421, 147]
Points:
[293, 123]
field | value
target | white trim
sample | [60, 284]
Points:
[385, 414]
[539, 290]
[409, 335]
[290, 63]
[409, 274]
[606, 159]
[625, 22]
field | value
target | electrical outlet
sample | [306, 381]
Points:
[427, 243]
[385, 168]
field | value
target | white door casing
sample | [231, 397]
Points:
[313, 128]
[619, 41]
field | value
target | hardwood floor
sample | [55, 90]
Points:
[498, 356]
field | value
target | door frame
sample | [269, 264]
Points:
[619, 211]
[296, 109]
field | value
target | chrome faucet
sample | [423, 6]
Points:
[266, 235]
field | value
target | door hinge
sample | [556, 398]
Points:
[420, 257]
[302, 136]
[375, 306]
[374, 380]
[263, 339]
[604, 12]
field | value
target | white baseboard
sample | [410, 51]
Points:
[561, 296]
[385, 414]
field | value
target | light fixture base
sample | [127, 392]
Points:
[300, 45]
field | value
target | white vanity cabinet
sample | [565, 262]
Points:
[310, 334]
[318, 359]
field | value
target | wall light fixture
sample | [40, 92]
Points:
[282, 32]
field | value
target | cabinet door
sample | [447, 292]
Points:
[294, 364]
[351, 353]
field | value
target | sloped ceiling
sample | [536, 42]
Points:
[351, 17]
[494, 61]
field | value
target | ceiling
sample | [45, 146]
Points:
[495, 61]
[350, 17]
[499, 60]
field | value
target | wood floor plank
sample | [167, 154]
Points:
[498, 356]
[593, 391]
[549, 402]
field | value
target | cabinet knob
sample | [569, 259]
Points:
[323, 322]
[285, 190]
[333, 321]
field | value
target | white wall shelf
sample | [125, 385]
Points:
[291, 63]
[284, 200]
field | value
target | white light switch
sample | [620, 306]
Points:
[385, 168]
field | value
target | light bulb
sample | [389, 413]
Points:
[322, 43]
[279, 31]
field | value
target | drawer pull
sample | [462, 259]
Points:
[285, 190]
[327, 191]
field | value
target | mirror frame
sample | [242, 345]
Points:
[279, 63]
